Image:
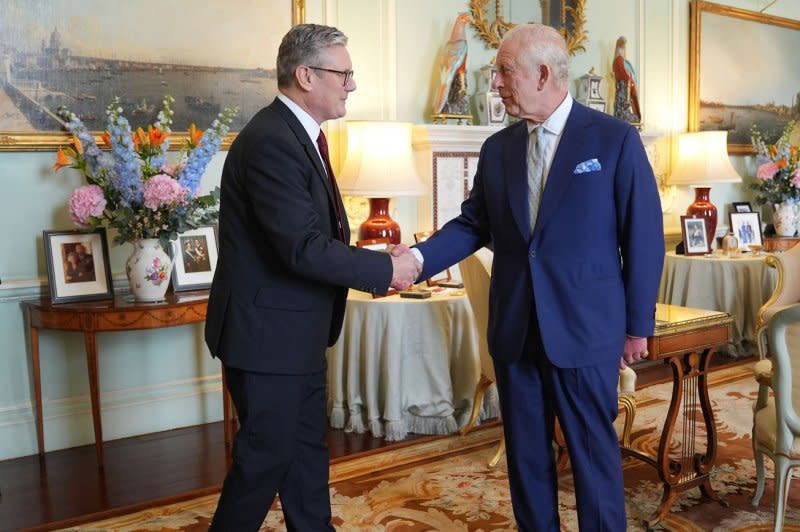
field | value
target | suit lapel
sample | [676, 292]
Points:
[560, 175]
[516, 173]
[310, 148]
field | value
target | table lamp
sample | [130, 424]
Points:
[379, 165]
[702, 161]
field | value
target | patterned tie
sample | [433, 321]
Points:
[535, 172]
[322, 143]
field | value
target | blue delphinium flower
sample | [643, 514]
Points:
[126, 176]
[190, 173]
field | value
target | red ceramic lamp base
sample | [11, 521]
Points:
[379, 224]
[703, 208]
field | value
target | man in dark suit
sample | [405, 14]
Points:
[568, 200]
[280, 286]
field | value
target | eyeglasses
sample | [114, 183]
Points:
[348, 74]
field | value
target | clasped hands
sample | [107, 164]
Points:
[405, 267]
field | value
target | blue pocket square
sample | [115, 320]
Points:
[589, 165]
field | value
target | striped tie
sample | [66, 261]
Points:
[535, 172]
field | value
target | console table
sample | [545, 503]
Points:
[685, 339]
[118, 314]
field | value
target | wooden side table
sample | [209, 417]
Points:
[685, 339]
[108, 316]
[780, 243]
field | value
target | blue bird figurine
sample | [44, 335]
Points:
[451, 95]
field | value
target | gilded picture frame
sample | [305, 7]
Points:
[735, 83]
[207, 58]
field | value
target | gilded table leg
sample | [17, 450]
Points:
[94, 390]
[37, 388]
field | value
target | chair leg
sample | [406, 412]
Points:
[480, 390]
[782, 480]
[501, 450]
[759, 460]
[628, 404]
[562, 456]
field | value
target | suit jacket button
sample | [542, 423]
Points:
[533, 254]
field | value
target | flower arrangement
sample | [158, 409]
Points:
[131, 186]
[778, 172]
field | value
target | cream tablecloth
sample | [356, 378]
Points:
[405, 365]
[738, 286]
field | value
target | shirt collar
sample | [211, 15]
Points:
[557, 120]
[308, 123]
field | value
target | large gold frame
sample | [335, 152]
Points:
[573, 12]
[24, 141]
[698, 7]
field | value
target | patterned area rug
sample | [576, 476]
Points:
[461, 493]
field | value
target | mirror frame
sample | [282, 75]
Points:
[573, 14]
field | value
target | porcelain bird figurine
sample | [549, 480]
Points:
[451, 96]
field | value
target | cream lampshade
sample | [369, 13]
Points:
[379, 165]
[702, 160]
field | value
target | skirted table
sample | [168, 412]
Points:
[406, 365]
[738, 286]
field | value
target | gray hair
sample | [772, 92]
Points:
[540, 45]
[303, 45]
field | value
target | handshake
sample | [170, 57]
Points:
[405, 267]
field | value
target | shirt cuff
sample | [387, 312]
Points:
[418, 255]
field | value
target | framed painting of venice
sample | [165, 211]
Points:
[83, 53]
[735, 83]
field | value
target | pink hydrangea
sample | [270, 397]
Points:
[170, 169]
[85, 202]
[767, 171]
[796, 178]
[161, 190]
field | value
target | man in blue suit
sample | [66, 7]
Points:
[568, 201]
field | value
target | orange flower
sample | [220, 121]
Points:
[106, 136]
[78, 144]
[194, 135]
[142, 136]
[135, 140]
[61, 160]
[781, 163]
[157, 137]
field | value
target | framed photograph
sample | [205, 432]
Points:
[497, 111]
[747, 228]
[594, 88]
[695, 239]
[597, 105]
[376, 244]
[742, 206]
[54, 58]
[440, 277]
[194, 258]
[77, 265]
[726, 76]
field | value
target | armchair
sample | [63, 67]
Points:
[776, 422]
[475, 273]
[786, 293]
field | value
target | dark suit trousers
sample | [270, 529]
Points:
[532, 391]
[280, 448]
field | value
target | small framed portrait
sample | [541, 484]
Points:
[597, 105]
[742, 206]
[747, 228]
[194, 258]
[77, 265]
[594, 87]
[497, 110]
[695, 239]
[441, 277]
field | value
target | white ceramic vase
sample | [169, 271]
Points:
[148, 269]
[785, 218]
